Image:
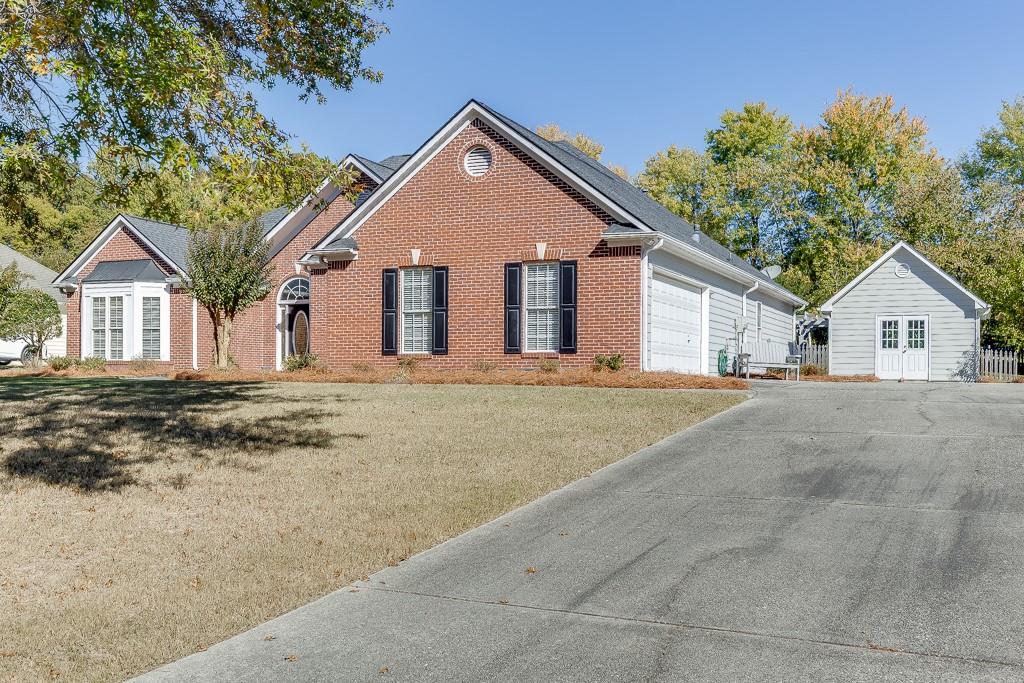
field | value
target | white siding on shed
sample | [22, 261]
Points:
[952, 315]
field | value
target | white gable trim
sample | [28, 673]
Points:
[119, 221]
[435, 144]
[351, 160]
[827, 306]
[308, 199]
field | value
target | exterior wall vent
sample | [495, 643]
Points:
[477, 161]
[902, 270]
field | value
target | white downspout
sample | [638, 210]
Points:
[645, 272]
[195, 335]
[749, 291]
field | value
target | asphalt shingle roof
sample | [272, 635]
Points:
[342, 243]
[136, 270]
[39, 276]
[394, 161]
[631, 198]
[273, 217]
[382, 172]
[171, 240]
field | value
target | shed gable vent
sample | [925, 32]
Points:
[902, 270]
[478, 161]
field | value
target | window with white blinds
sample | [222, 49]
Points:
[99, 327]
[542, 307]
[116, 327]
[416, 310]
[151, 327]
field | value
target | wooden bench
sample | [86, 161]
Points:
[767, 354]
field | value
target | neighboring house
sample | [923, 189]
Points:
[491, 244]
[905, 318]
[40, 277]
[488, 245]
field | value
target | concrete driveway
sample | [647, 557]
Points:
[816, 532]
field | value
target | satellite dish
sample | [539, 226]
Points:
[772, 271]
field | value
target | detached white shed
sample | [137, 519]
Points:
[904, 318]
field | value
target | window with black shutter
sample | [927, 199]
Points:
[389, 317]
[513, 307]
[440, 311]
[567, 307]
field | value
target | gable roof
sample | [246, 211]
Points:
[135, 270]
[170, 240]
[629, 206]
[166, 240]
[826, 307]
[38, 275]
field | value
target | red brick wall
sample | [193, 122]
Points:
[124, 246]
[474, 226]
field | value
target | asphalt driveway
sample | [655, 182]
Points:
[816, 532]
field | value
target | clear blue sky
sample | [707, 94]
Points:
[638, 76]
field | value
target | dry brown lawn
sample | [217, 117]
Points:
[144, 520]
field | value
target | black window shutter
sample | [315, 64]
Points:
[513, 307]
[567, 306]
[389, 320]
[440, 318]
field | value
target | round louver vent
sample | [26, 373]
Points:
[902, 270]
[478, 161]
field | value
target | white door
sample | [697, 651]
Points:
[915, 347]
[889, 352]
[901, 347]
[675, 325]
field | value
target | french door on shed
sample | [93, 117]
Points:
[902, 346]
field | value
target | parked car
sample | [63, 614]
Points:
[14, 350]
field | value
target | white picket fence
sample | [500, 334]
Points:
[815, 354]
[1002, 365]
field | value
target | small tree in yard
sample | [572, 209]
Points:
[228, 273]
[10, 283]
[33, 317]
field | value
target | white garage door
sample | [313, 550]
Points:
[675, 326]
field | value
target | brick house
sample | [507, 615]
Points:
[489, 245]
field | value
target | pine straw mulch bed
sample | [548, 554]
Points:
[623, 379]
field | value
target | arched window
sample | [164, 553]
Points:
[295, 291]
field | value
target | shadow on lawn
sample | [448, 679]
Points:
[90, 434]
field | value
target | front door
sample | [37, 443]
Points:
[901, 347]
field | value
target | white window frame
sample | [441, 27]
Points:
[759, 318]
[132, 294]
[427, 312]
[527, 267]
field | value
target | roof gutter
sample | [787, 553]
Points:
[701, 258]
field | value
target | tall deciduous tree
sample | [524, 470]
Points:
[227, 273]
[740, 189]
[32, 317]
[168, 81]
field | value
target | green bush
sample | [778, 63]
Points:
[60, 362]
[91, 363]
[613, 362]
[302, 361]
[548, 365]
